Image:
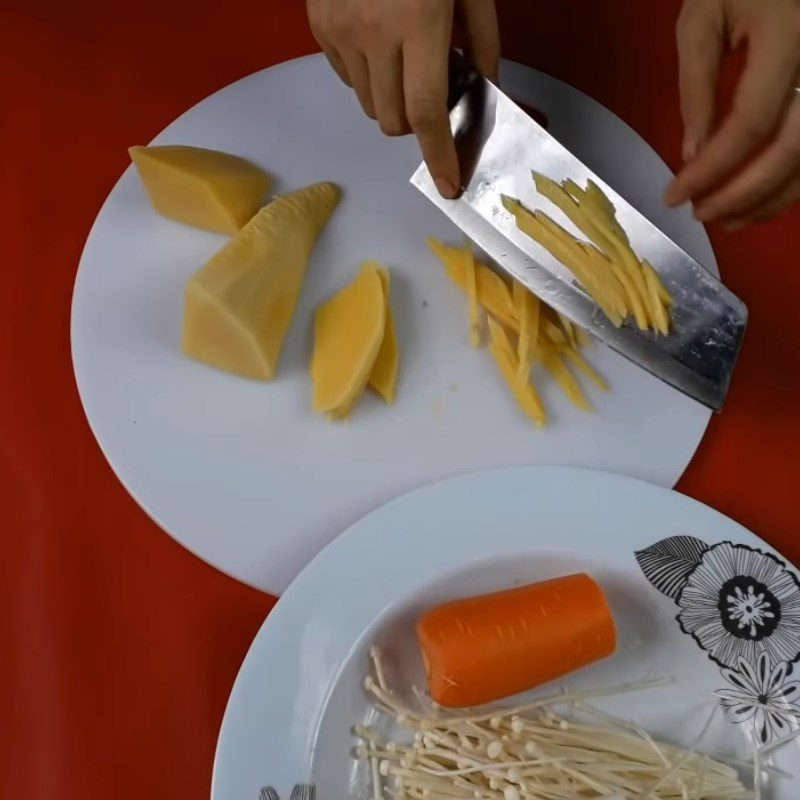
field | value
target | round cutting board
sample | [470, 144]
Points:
[242, 473]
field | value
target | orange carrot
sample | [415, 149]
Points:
[485, 648]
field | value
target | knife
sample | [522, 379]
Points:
[499, 145]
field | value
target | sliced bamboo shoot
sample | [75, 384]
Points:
[383, 378]
[521, 388]
[348, 334]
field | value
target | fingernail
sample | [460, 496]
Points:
[445, 187]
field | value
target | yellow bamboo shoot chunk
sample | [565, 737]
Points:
[205, 188]
[348, 333]
[383, 378]
[239, 305]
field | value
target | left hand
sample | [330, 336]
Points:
[747, 168]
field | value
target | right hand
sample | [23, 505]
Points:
[395, 54]
[744, 167]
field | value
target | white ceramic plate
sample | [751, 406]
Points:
[299, 690]
[241, 472]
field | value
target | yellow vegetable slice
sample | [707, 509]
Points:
[239, 305]
[620, 251]
[521, 311]
[204, 188]
[527, 309]
[542, 332]
[499, 338]
[518, 292]
[573, 190]
[570, 252]
[584, 340]
[663, 294]
[553, 326]
[383, 378]
[523, 391]
[551, 359]
[595, 196]
[587, 369]
[537, 228]
[566, 203]
[472, 294]
[552, 331]
[591, 222]
[493, 291]
[494, 295]
[586, 218]
[348, 333]
[657, 310]
[609, 285]
[534, 326]
[569, 330]
[443, 253]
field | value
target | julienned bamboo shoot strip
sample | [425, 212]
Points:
[533, 753]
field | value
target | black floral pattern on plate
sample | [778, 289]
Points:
[764, 695]
[738, 603]
[742, 607]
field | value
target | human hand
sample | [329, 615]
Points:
[746, 168]
[395, 54]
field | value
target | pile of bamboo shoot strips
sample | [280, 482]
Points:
[534, 753]
[524, 332]
[606, 267]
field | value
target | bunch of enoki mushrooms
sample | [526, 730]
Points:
[534, 753]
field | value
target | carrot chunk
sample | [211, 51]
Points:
[485, 648]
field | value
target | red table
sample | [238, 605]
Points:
[123, 646]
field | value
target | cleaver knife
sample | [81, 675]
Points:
[499, 145]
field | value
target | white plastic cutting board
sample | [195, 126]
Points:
[241, 472]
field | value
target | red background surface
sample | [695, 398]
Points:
[119, 648]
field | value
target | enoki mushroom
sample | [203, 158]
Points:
[533, 753]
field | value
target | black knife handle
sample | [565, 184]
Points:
[460, 74]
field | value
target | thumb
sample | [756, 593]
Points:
[701, 37]
[478, 19]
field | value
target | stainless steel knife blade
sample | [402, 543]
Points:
[499, 145]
